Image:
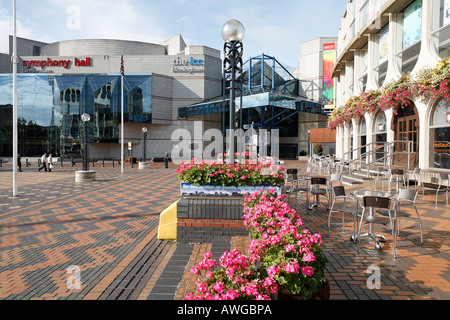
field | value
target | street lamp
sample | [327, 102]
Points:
[144, 136]
[232, 33]
[85, 118]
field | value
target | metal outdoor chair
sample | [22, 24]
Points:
[407, 197]
[416, 174]
[397, 177]
[444, 181]
[319, 187]
[291, 181]
[383, 176]
[339, 205]
[335, 178]
[376, 206]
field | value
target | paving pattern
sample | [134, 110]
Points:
[107, 230]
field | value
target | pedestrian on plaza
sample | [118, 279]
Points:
[44, 162]
[50, 162]
[19, 163]
[166, 161]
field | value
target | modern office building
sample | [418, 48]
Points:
[315, 67]
[379, 42]
[167, 86]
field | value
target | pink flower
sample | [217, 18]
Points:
[309, 257]
[272, 271]
[308, 271]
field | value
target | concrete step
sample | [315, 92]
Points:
[350, 182]
[356, 177]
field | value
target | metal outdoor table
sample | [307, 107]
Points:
[360, 194]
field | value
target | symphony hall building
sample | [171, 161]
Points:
[58, 82]
[379, 41]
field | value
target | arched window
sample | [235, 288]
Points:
[440, 136]
[363, 134]
[380, 134]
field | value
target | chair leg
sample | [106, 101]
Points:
[437, 191]
[420, 226]
[394, 238]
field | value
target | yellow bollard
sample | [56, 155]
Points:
[167, 229]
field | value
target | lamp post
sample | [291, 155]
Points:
[85, 118]
[232, 33]
[144, 136]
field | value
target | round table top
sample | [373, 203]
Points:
[371, 193]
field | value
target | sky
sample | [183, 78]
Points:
[275, 28]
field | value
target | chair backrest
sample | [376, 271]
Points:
[417, 170]
[291, 171]
[291, 176]
[397, 171]
[444, 176]
[339, 191]
[318, 180]
[407, 194]
[376, 202]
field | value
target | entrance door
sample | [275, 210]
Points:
[407, 133]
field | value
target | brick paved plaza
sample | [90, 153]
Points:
[108, 229]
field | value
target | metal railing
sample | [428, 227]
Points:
[382, 154]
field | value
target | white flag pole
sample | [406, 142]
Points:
[15, 135]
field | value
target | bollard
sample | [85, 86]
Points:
[131, 161]
[103, 162]
[1, 163]
[113, 162]
[26, 163]
[71, 160]
[61, 159]
[93, 163]
[39, 162]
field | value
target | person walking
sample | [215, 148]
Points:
[44, 162]
[19, 162]
[50, 162]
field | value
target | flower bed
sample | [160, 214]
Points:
[224, 174]
[280, 256]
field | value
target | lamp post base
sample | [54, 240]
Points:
[85, 176]
[144, 165]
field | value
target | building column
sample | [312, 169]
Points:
[428, 56]
[372, 83]
[369, 134]
[356, 138]
[346, 142]
[390, 134]
[424, 113]
[393, 71]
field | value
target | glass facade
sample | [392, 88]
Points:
[441, 27]
[411, 22]
[50, 106]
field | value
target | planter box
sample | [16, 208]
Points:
[187, 189]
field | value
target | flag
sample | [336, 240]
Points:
[122, 70]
